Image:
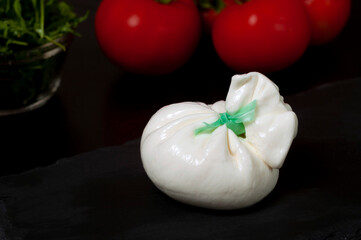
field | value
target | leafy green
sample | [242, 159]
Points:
[30, 23]
[25, 84]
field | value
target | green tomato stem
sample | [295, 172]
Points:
[164, 1]
[216, 5]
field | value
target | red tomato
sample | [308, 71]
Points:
[262, 35]
[328, 18]
[148, 37]
[210, 15]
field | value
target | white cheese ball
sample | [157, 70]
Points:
[220, 170]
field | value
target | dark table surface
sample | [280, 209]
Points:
[106, 194]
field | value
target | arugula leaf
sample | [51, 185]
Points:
[31, 23]
[17, 10]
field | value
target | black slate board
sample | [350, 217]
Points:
[105, 194]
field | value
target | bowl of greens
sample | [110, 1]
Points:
[34, 38]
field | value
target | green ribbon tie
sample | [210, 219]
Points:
[233, 121]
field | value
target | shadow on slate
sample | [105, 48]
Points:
[105, 194]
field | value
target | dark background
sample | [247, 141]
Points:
[100, 105]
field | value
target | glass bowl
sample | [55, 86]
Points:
[29, 78]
